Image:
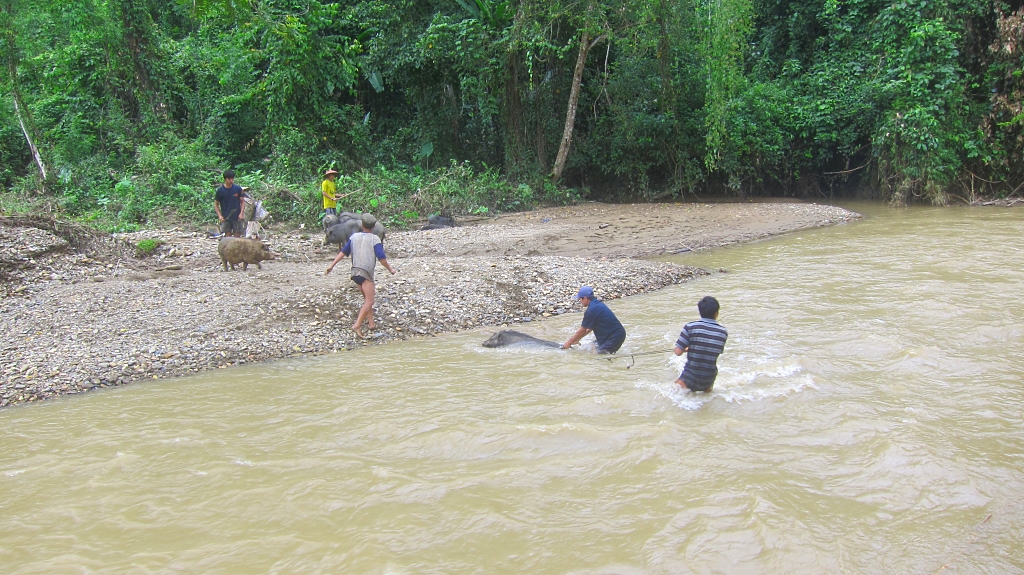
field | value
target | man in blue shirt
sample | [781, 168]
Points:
[703, 341]
[228, 205]
[598, 318]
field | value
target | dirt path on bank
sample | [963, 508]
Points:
[76, 317]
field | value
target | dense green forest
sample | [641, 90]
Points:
[126, 111]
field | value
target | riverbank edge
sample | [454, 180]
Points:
[89, 332]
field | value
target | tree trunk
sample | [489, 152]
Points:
[28, 137]
[20, 111]
[570, 112]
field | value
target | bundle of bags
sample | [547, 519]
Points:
[255, 214]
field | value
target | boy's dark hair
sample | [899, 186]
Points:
[708, 307]
[229, 174]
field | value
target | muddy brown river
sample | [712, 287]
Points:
[867, 419]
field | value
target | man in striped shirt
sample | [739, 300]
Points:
[703, 341]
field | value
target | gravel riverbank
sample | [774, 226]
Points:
[81, 312]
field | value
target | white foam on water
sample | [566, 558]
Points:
[767, 378]
[15, 472]
[751, 391]
[681, 398]
[769, 370]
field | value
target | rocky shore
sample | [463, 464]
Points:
[82, 311]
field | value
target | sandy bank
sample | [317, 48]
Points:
[76, 320]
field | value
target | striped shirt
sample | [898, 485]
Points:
[706, 340]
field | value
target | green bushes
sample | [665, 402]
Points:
[402, 196]
[920, 139]
[169, 179]
[460, 106]
[147, 247]
[175, 182]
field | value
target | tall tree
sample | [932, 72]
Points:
[21, 111]
[574, 92]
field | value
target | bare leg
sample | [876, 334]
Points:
[367, 309]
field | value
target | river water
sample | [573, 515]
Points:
[867, 419]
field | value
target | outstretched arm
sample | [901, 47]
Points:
[345, 250]
[378, 250]
[337, 259]
[576, 337]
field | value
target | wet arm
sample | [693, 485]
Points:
[683, 343]
[576, 337]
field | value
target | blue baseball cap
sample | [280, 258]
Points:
[585, 291]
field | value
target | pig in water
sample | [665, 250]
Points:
[508, 337]
[340, 233]
[242, 251]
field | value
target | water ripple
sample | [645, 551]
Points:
[866, 419]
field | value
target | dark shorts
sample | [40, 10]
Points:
[359, 276]
[328, 211]
[694, 386]
[232, 227]
[611, 346]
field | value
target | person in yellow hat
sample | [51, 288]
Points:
[329, 190]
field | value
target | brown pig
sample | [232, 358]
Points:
[238, 250]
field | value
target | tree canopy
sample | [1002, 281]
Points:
[129, 106]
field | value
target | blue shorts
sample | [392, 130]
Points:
[610, 346]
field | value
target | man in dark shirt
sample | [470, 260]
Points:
[598, 318]
[228, 205]
[703, 341]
